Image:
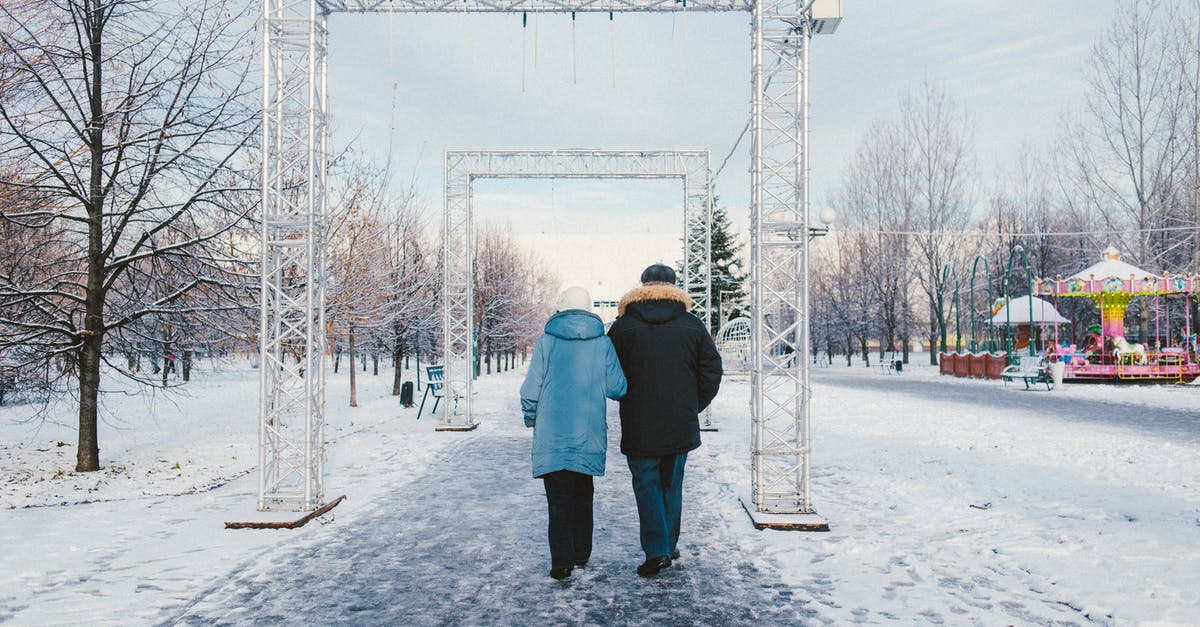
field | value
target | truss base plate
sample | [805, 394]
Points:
[456, 427]
[783, 522]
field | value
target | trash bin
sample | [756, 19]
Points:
[899, 365]
[1056, 373]
[406, 394]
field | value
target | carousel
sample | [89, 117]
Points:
[1169, 354]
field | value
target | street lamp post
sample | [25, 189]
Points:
[827, 216]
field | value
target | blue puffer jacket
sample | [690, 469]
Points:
[574, 367]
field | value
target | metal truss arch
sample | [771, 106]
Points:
[293, 231]
[464, 167]
[292, 324]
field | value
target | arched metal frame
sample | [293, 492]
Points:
[295, 116]
[1008, 341]
[987, 275]
[949, 270]
[464, 167]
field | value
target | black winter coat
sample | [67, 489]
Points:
[672, 367]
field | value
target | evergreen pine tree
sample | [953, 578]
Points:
[728, 279]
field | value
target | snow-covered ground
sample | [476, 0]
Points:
[950, 501]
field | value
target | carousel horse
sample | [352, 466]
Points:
[1122, 348]
[1093, 348]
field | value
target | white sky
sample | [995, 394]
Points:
[428, 83]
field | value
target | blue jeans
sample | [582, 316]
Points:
[658, 488]
[569, 501]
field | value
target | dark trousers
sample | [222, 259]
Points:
[569, 500]
[658, 488]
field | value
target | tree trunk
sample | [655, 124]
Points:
[87, 456]
[168, 363]
[375, 363]
[337, 357]
[350, 356]
[397, 372]
[187, 364]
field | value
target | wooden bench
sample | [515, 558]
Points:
[435, 387]
[1030, 369]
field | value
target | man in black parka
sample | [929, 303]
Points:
[673, 372]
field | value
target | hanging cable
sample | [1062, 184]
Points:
[612, 49]
[683, 36]
[574, 58]
[1043, 234]
[466, 40]
[745, 129]
[524, 29]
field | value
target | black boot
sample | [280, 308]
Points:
[560, 573]
[650, 567]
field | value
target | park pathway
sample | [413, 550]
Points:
[464, 544]
[1178, 425]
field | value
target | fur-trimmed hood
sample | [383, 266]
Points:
[654, 291]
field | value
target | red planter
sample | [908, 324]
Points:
[995, 365]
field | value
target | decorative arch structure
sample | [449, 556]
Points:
[733, 342]
[295, 113]
[464, 167]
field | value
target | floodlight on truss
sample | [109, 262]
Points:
[295, 113]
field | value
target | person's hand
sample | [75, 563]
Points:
[529, 422]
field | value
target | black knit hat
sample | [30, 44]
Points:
[658, 273]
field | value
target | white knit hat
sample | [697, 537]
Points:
[574, 298]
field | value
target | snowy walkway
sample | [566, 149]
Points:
[950, 502]
[465, 543]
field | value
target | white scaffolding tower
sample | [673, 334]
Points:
[464, 167]
[292, 328]
[294, 158]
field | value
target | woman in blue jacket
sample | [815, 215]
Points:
[574, 368]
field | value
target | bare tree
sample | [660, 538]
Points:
[1131, 155]
[131, 126]
[937, 141]
[360, 288]
[512, 290]
[412, 305]
[873, 201]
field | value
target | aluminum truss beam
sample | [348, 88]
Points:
[294, 118]
[532, 6]
[292, 328]
[464, 167]
[779, 258]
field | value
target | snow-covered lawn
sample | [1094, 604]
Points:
[952, 501]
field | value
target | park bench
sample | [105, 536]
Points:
[1030, 369]
[435, 387]
[891, 363]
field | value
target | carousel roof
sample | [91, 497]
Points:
[1111, 266]
[1115, 279]
[1018, 309]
